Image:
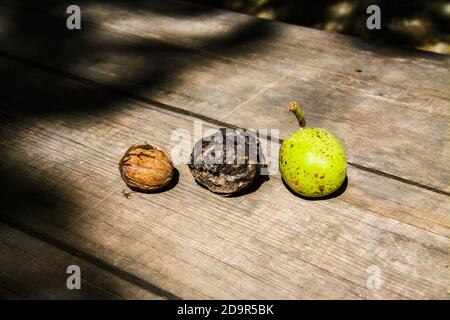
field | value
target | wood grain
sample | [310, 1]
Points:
[194, 244]
[391, 108]
[33, 269]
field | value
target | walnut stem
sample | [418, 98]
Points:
[295, 108]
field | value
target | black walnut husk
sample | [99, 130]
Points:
[226, 162]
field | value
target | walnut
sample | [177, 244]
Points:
[223, 164]
[146, 168]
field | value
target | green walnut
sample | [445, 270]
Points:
[312, 161]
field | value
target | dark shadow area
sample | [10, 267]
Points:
[335, 194]
[22, 196]
[22, 199]
[34, 269]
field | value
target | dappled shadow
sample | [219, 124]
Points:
[129, 65]
[416, 23]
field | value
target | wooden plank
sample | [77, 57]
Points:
[238, 67]
[33, 269]
[279, 47]
[190, 242]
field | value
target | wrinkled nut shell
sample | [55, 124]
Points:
[146, 167]
[225, 178]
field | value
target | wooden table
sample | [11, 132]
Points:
[73, 101]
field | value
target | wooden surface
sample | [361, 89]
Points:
[74, 101]
[397, 104]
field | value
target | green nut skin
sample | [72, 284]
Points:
[313, 162]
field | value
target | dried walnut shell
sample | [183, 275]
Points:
[146, 167]
[223, 177]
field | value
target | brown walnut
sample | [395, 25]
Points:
[146, 167]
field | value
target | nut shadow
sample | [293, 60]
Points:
[335, 194]
[250, 189]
